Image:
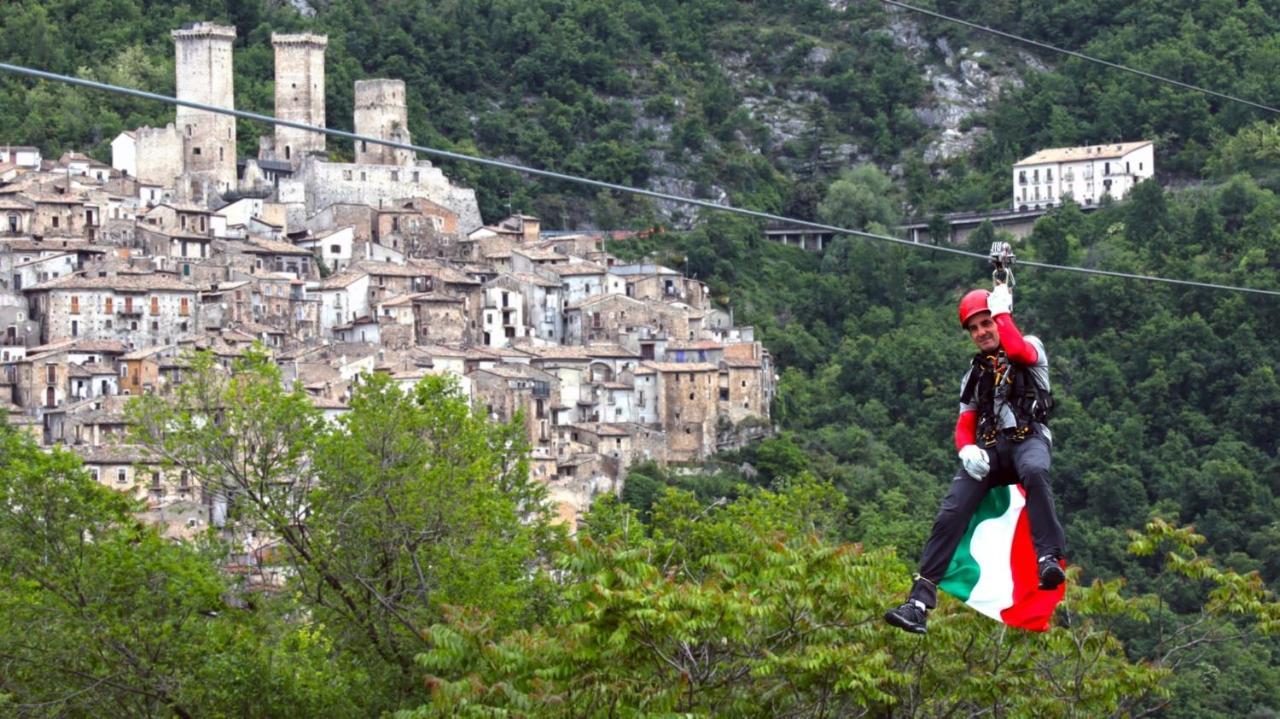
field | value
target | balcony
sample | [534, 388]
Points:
[129, 312]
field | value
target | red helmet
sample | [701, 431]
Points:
[972, 303]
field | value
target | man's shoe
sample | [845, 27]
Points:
[909, 617]
[1051, 574]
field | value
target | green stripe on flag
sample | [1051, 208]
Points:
[963, 572]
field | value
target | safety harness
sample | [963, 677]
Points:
[1030, 403]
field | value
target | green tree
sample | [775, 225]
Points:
[861, 198]
[410, 503]
[101, 616]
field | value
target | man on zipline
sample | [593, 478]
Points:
[1002, 439]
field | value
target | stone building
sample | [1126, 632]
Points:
[153, 155]
[505, 389]
[60, 216]
[299, 95]
[382, 111]
[318, 184]
[438, 318]
[139, 310]
[688, 408]
[203, 62]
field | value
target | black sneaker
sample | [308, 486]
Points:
[1051, 574]
[909, 617]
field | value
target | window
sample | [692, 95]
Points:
[195, 151]
[335, 249]
[55, 221]
[346, 175]
[395, 176]
[108, 305]
[415, 176]
[121, 477]
[75, 304]
[363, 177]
[51, 373]
[124, 371]
[75, 328]
[184, 306]
[155, 305]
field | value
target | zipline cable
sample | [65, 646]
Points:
[446, 154]
[1079, 55]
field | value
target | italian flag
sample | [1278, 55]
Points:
[994, 568]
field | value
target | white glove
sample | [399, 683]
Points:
[1000, 301]
[975, 461]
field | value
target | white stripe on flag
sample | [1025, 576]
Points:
[991, 546]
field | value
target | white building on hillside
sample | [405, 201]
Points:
[1086, 173]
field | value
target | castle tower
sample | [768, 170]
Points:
[203, 69]
[299, 94]
[381, 111]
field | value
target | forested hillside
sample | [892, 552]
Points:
[1168, 399]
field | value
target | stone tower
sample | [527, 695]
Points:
[299, 94]
[203, 68]
[381, 112]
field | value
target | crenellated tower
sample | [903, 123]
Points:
[381, 111]
[299, 94]
[204, 75]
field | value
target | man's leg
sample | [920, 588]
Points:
[1031, 459]
[949, 526]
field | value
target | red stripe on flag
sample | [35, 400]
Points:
[1032, 607]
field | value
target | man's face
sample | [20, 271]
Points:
[983, 332]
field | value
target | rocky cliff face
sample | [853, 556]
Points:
[963, 83]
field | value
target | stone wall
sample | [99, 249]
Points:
[159, 154]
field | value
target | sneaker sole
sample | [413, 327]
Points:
[898, 622]
[1053, 580]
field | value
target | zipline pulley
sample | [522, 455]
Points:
[1002, 259]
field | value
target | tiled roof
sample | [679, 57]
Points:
[124, 282]
[682, 366]
[1081, 154]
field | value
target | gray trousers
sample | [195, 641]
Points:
[1026, 463]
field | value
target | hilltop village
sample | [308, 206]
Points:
[110, 276]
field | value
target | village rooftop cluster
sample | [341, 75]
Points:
[111, 275]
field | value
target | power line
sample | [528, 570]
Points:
[1080, 55]
[446, 154]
